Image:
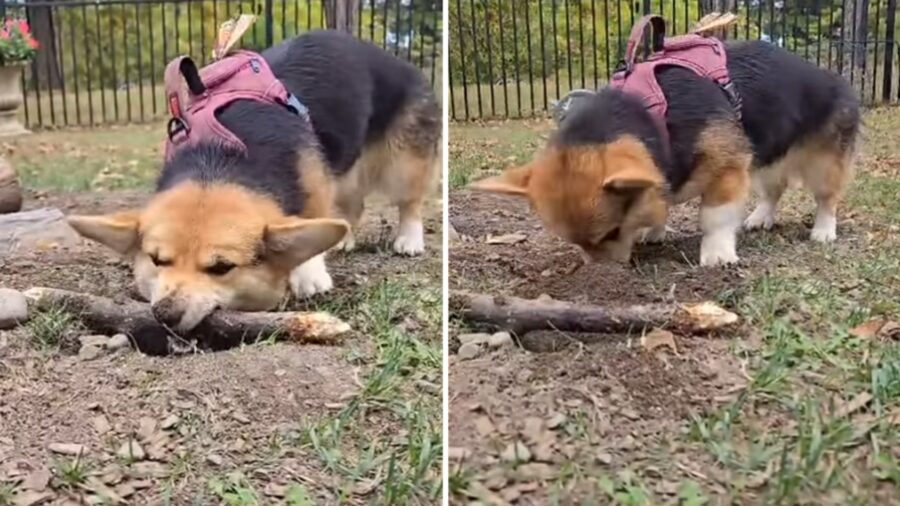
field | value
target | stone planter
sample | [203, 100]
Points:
[11, 100]
[10, 191]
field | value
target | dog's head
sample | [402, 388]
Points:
[196, 248]
[595, 196]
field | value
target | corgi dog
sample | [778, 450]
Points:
[235, 228]
[610, 172]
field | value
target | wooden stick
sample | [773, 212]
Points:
[220, 330]
[524, 315]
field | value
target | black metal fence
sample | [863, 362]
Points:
[102, 61]
[512, 58]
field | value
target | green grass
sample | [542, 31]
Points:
[786, 438]
[81, 160]
[405, 463]
[49, 328]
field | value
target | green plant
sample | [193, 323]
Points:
[16, 42]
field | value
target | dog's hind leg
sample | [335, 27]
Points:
[827, 179]
[414, 157]
[769, 183]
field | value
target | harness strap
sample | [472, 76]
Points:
[181, 69]
[637, 34]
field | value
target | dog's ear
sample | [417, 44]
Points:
[630, 167]
[117, 231]
[513, 181]
[293, 241]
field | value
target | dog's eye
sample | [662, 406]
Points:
[160, 262]
[219, 268]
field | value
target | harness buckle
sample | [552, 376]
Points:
[733, 96]
[294, 104]
[175, 126]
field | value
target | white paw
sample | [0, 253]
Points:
[411, 239]
[823, 234]
[348, 244]
[717, 251]
[760, 218]
[653, 234]
[311, 278]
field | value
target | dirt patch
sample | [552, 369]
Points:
[208, 425]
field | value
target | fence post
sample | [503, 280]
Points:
[889, 51]
[270, 22]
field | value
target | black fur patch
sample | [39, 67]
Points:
[785, 100]
[353, 91]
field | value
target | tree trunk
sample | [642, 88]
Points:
[43, 29]
[342, 15]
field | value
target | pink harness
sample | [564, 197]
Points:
[705, 56]
[242, 75]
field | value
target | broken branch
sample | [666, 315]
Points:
[220, 330]
[525, 315]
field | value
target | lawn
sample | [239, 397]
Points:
[269, 423]
[798, 405]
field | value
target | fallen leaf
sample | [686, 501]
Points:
[169, 422]
[36, 481]
[131, 450]
[484, 426]
[855, 404]
[658, 337]
[707, 315]
[146, 427]
[507, 238]
[890, 330]
[32, 498]
[868, 329]
[556, 420]
[516, 452]
[101, 424]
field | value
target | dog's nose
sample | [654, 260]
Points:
[167, 312]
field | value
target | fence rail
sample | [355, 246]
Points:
[102, 61]
[512, 58]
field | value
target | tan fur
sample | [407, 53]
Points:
[603, 197]
[818, 165]
[397, 166]
[317, 182]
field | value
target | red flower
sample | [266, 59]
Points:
[4, 35]
[33, 43]
[23, 27]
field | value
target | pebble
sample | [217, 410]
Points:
[89, 352]
[98, 341]
[118, 341]
[469, 351]
[67, 448]
[473, 338]
[500, 340]
[13, 308]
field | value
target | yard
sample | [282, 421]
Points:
[268, 423]
[800, 404]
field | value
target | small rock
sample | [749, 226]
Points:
[89, 352]
[101, 424]
[132, 451]
[118, 342]
[510, 494]
[125, 490]
[148, 470]
[68, 448]
[556, 420]
[604, 458]
[500, 340]
[13, 308]
[214, 459]
[241, 417]
[473, 338]
[456, 453]
[169, 422]
[32, 498]
[98, 341]
[275, 490]
[516, 452]
[469, 351]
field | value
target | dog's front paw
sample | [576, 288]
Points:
[653, 234]
[761, 217]
[410, 241]
[311, 278]
[823, 234]
[717, 251]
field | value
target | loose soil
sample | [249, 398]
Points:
[240, 411]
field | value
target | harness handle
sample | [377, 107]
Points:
[637, 35]
[182, 67]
